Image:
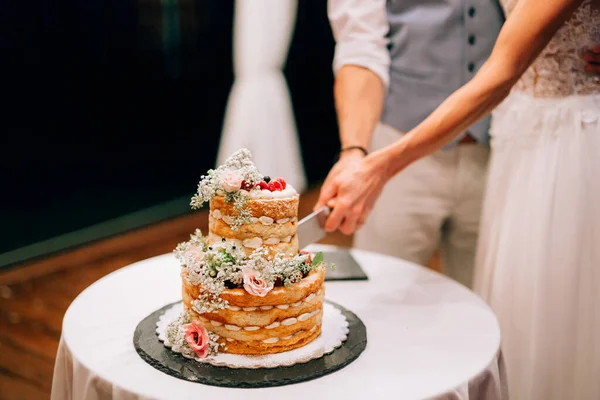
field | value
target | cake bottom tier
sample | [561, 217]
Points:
[258, 347]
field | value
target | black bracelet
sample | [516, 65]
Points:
[365, 152]
[339, 153]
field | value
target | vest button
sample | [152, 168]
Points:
[471, 39]
[471, 67]
[471, 12]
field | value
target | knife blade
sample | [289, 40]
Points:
[311, 228]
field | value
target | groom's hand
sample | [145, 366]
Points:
[592, 58]
[347, 165]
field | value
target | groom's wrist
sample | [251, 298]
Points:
[351, 152]
[356, 149]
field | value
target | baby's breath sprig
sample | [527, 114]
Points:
[207, 303]
[213, 344]
[211, 184]
[242, 160]
[190, 253]
[240, 202]
[289, 270]
[221, 266]
[207, 188]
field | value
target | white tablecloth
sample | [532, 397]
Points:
[428, 337]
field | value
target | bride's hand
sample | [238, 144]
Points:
[351, 188]
[592, 58]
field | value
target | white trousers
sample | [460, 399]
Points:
[434, 203]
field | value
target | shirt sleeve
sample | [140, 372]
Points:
[360, 30]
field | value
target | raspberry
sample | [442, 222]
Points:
[263, 185]
[275, 186]
[246, 185]
[282, 181]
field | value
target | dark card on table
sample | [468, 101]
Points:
[346, 267]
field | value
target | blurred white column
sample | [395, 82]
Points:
[259, 113]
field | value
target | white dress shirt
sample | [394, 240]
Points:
[360, 28]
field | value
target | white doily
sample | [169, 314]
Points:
[334, 331]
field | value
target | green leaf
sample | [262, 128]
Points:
[318, 259]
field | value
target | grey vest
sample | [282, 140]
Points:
[436, 47]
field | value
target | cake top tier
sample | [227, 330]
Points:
[239, 177]
[236, 183]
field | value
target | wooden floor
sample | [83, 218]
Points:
[34, 298]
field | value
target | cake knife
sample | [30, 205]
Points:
[311, 228]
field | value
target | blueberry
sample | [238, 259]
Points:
[267, 179]
[229, 284]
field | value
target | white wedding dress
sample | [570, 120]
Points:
[538, 262]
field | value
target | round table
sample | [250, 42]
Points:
[428, 337]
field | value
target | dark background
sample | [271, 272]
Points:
[115, 106]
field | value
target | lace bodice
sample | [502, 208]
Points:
[559, 69]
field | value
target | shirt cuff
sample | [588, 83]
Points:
[364, 54]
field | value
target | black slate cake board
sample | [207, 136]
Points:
[346, 267]
[153, 351]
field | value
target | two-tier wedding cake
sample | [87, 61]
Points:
[246, 287]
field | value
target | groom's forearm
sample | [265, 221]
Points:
[359, 95]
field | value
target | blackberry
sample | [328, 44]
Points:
[229, 284]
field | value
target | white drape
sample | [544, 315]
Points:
[259, 113]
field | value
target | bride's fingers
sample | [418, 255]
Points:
[328, 192]
[340, 211]
[366, 212]
[349, 224]
[352, 221]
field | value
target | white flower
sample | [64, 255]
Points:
[231, 180]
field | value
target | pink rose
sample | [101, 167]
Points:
[194, 254]
[254, 285]
[197, 337]
[232, 180]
